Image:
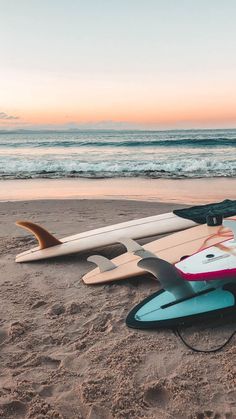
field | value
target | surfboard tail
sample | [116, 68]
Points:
[44, 238]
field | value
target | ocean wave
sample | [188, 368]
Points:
[175, 168]
[127, 143]
[120, 139]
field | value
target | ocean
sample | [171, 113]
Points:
[113, 154]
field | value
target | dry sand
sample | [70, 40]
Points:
[65, 349]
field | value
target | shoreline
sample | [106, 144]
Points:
[185, 191]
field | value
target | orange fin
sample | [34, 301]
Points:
[44, 238]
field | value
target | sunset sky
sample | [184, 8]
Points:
[156, 64]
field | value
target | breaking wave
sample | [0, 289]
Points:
[59, 168]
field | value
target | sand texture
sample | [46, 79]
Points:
[65, 351]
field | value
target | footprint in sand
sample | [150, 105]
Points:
[16, 329]
[38, 368]
[75, 363]
[3, 335]
[55, 310]
[44, 361]
[101, 323]
[98, 412]
[158, 365]
[155, 394]
[13, 409]
[37, 304]
[225, 396]
[214, 415]
[47, 391]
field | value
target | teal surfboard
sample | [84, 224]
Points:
[162, 309]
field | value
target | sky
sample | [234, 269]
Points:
[145, 64]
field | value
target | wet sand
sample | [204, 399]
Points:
[185, 191]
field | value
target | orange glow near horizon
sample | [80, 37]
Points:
[155, 103]
[153, 116]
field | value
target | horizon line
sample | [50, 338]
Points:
[10, 130]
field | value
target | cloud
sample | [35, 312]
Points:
[4, 116]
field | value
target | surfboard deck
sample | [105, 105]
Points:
[218, 261]
[161, 310]
[49, 246]
[171, 248]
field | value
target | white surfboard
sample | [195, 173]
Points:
[49, 246]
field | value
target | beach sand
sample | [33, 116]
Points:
[65, 349]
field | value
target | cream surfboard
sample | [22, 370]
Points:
[49, 246]
[170, 248]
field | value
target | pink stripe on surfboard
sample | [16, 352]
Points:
[209, 276]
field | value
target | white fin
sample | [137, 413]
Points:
[133, 247]
[231, 224]
[102, 263]
[168, 276]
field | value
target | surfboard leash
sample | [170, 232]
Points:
[177, 333]
[220, 233]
